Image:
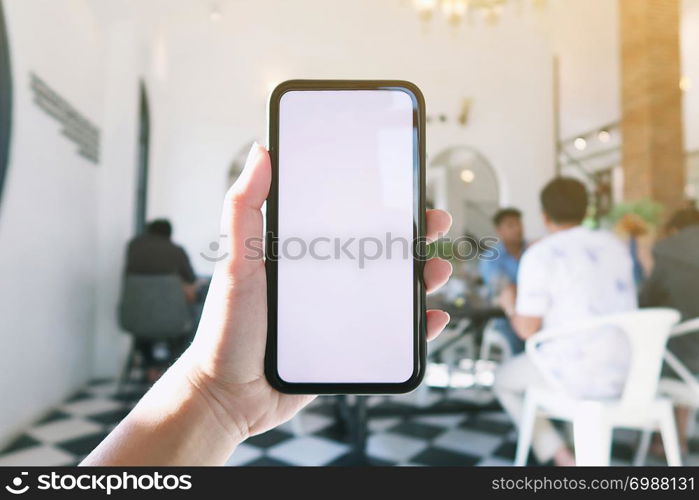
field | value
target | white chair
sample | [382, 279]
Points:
[639, 407]
[684, 392]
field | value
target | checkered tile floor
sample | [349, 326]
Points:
[71, 431]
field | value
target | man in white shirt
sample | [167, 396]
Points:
[570, 275]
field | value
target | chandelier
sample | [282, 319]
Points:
[455, 11]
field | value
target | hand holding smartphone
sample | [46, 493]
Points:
[355, 165]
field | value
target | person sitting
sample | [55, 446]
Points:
[571, 274]
[674, 282]
[153, 252]
[498, 267]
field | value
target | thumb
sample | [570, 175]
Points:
[241, 220]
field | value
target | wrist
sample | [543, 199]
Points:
[175, 423]
[215, 402]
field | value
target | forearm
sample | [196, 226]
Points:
[175, 423]
[525, 326]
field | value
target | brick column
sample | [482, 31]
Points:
[651, 101]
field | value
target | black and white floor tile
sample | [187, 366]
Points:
[313, 438]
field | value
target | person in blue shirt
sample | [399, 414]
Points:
[498, 267]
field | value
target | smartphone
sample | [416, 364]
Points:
[345, 222]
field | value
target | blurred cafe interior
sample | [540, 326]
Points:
[550, 124]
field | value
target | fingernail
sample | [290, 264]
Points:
[254, 151]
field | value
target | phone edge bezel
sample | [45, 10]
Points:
[271, 219]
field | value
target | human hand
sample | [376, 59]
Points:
[228, 351]
[507, 299]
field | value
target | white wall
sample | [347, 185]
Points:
[585, 37]
[64, 221]
[48, 231]
[124, 61]
[214, 78]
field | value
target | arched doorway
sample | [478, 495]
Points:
[143, 159]
[462, 180]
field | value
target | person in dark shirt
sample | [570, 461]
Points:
[674, 282]
[153, 252]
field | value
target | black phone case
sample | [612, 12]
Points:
[419, 321]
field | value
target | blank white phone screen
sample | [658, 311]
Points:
[345, 235]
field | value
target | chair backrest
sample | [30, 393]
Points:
[154, 306]
[687, 326]
[647, 331]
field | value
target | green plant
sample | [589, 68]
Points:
[647, 210]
